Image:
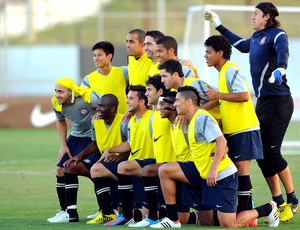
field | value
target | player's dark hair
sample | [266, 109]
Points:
[106, 46]
[155, 34]
[171, 66]
[168, 42]
[141, 90]
[140, 34]
[219, 43]
[113, 100]
[155, 80]
[170, 95]
[189, 92]
[271, 9]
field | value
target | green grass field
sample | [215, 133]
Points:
[28, 196]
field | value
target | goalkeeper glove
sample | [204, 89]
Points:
[276, 76]
[213, 18]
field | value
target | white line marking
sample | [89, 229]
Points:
[24, 172]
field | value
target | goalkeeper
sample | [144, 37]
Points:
[268, 49]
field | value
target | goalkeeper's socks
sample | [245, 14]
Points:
[291, 198]
[278, 199]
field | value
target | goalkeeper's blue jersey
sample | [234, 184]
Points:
[268, 50]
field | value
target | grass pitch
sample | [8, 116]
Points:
[28, 195]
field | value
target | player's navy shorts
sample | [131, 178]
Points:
[245, 146]
[192, 193]
[76, 145]
[138, 184]
[221, 197]
[112, 166]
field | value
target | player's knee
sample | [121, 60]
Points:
[206, 218]
[125, 167]
[95, 171]
[163, 171]
[72, 169]
[60, 171]
[265, 168]
[150, 171]
[280, 164]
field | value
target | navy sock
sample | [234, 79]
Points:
[71, 188]
[172, 212]
[102, 187]
[244, 193]
[61, 193]
[125, 187]
[151, 190]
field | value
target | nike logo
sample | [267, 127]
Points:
[295, 208]
[237, 156]
[39, 119]
[132, 153]
[273, 146]
[156, 139]
[3, 107]
[219, 206]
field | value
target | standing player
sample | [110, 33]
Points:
[152, 36]
[268, 49]
[166, 49]
[212, 168]
[107, 78]
[173, 77]
[138, 62]
[239, 121]
[77, 104]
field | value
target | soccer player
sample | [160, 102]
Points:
[268, 49]
[173, 77]
[239, 121]
[107, 78]
[212, 168]
[166, 49]
[138, 62]
[162, 147]
[77, 104]
[150, 172]
[140, 145]
[109, 130]
[152, 36]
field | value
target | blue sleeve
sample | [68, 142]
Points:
[93, 130]
[243, 45]
[59, 116]
[85, 82]
[235, 80]
[124, 131]
[94, 99]
[187, 72]
[206, 129]
[282, 49]
[125, 73]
